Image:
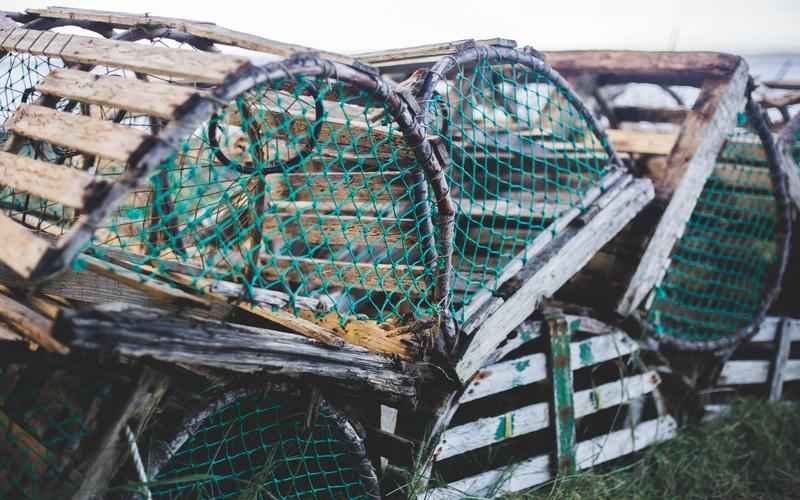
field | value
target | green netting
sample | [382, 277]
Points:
[721, 269]
[302, 186]
[258, 447]
[45, 415]
[522, 155]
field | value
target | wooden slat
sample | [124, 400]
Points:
[427, 50]
[532, 368]
[58, 183]
[194, 65]
[83, 133]
[510, 207]
[573, 248]
[383, 187]
[200, 29]
[532, 418]
[131, 94]
[782, 350]
[32, 325]
[690, 164]
[755, 372]
[389, 277]
[21, 250]
[633, 141]
[767, 330]
[537, 470]
[344, 229]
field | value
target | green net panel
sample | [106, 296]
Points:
[257, 446]
[722, 271]
[304, 186]
[523, 152]
[46, 413]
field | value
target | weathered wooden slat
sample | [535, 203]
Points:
[140, 332]
[83, 133]
[58, 183]
[492, 430]
[343, 188]
[343, 229]
[21, 249]
[390, 277]
[532, 368]
[131, 94]
[768, 328]
[776, 369]
[200, 29]
[537, 470]
[571, 250]
[755, 372]
[427, 50]
[32, 325]
[690, 164]
[194, 65]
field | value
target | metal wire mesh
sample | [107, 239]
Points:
[41, 427]
[722, 269]
[258, 446]
[523, 153]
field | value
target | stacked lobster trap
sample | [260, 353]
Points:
[341, 277]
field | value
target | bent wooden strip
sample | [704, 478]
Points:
[532, 368]
[58, 183]
[535, 417]
[536, 470]
[83, 133]
[343, 229]
[194, 65]
[21, 250]
[151, 98]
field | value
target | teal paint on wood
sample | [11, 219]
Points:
[563, 392]
[586, 354]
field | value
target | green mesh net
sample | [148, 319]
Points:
[258, 447]
[302, 186]
[720, 269]
[45, 414]
[522, 155]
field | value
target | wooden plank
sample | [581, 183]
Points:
[200, 29]
[131, 94]
[193, 65]
[768, 328]
[629, 66]
[755, 372]
[563, 392]
[342, 187]
[537, 470]
[343, 229]
[532, 368]
[495, 429]
[777, 373]
[32, 325]
[68, 186]
[690, 164]
[427, 50]
[372, 276]
[635, 141]
[83, 133]
[21, 249]
[571, 250]
[140, 333]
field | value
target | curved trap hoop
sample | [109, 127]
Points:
[727, 267]
[251, 443]
[526, 156]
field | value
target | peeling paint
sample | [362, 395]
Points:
[586, 354]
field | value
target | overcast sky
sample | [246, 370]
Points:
[742, 26]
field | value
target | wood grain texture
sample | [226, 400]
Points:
[131, 94]
[690, 164]
[193, 65]
[30, 324]
[21, 249]
[745, 372]
[83, 133]
[343, 229]
[58, 183]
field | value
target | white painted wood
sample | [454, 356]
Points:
[532, 368]
[673, 222]
[575, 247]
[535, 417]
[755, 372]
[766, 332]
[536, 470]
[777, 372]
